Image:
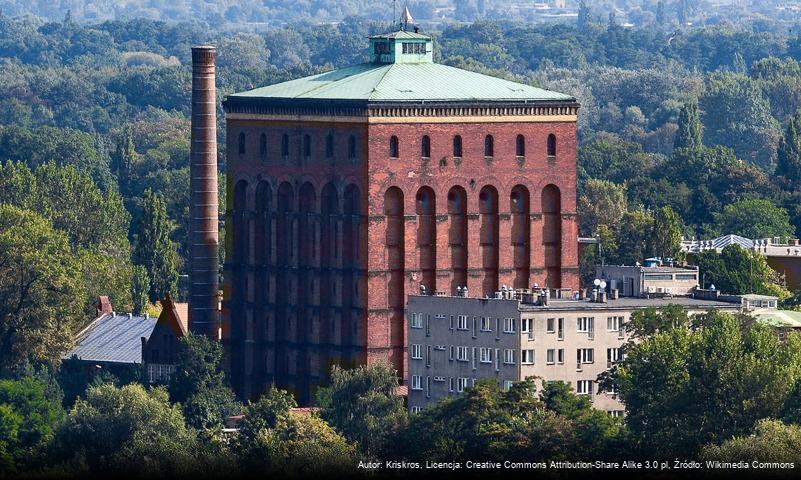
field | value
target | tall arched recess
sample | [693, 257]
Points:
[552, 235]
[395, 248]
[457, 236]
[520, 207]
[263, 257]
[488, 208]
[425, 206]
[350, 265]
[329, 250]
[239, 293]
[306, 243]
[284, 239]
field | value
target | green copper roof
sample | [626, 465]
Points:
[403, 82]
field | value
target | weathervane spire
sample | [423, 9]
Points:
[406, 18]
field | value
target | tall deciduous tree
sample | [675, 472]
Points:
[665, 241]
[788, 157]
[687, 387]
[41, 291]
[739, 271]
[154, 248]
[689, 133]
[754, 218]
[362, 403]
[632, 237]
[601, 203]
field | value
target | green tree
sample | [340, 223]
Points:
[124, 159]
[755, 218]
[28, 416]
[788, 157]
[689, 133]
[739, 271]
[199, 383]
[154, 249]
[129, 430]
[771, 441]
[363, 405]
[41, 292]
[632, 237]
[140, 290]
[685, 388]
[601, 203]
[665, 241]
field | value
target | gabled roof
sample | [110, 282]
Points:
[113, 339]
[171, 317]
[403, 82]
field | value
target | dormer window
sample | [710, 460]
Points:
[414, 48]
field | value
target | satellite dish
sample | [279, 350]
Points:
[712, 287]
[603, 284]
[596, 282]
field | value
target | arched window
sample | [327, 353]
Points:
[551, 146]
[352, 147]
[242, 143]
[457, 146]
[329, 145]
[489, 146]
[285, 145]
[307, 145]
[425, 147]
[393, 147]
[263, 145]
[521, 146]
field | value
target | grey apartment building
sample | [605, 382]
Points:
[454, 341]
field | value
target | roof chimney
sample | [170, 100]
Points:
[203, 206]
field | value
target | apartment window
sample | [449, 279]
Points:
[450, 324]
[428, 355]
[450, 384]
[611, 389]
[450, 352]
[616, 413]
[489, 146]
[414, 48]
[461, 384]
[485, 324]
[462, 354]
[612, 356]
[393, 147]
[417, 351]
[613, 323]
[507, 385]
[508, 325]
[462, 322]
[417, 409]
[585, 355]
[549, 325]
[457, 146]
[527, 325]
[584, 324]
[509, 356]
[584, 387]
[560, 356]
[417, 382]
[417, 320]
[549, 356]
[560, 329]
[527, 357]
[485, 355]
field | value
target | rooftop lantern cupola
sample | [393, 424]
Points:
[402, 46]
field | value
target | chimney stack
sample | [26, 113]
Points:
[203, 203]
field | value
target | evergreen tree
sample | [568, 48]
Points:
[154, 249]
[788, 163]
[140, 289]
[689, 133]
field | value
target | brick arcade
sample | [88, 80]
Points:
[352, 189]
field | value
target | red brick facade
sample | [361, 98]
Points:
[325, 238]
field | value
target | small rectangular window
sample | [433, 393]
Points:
[527, 357]
[508, 325]
[485, 324]
[462, 354]
[461, 384]
[417, 382]
[584, 387]
[526, 325]
[462, 323]
[584, 324]
[560, 358]
[507, 385]
[613, 323]
[509, 356]
[417, 351]
[417, 320]
[549, 356]
[585, 355]
[485, 355]
[549, 325]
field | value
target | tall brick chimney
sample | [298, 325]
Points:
[203, 208]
